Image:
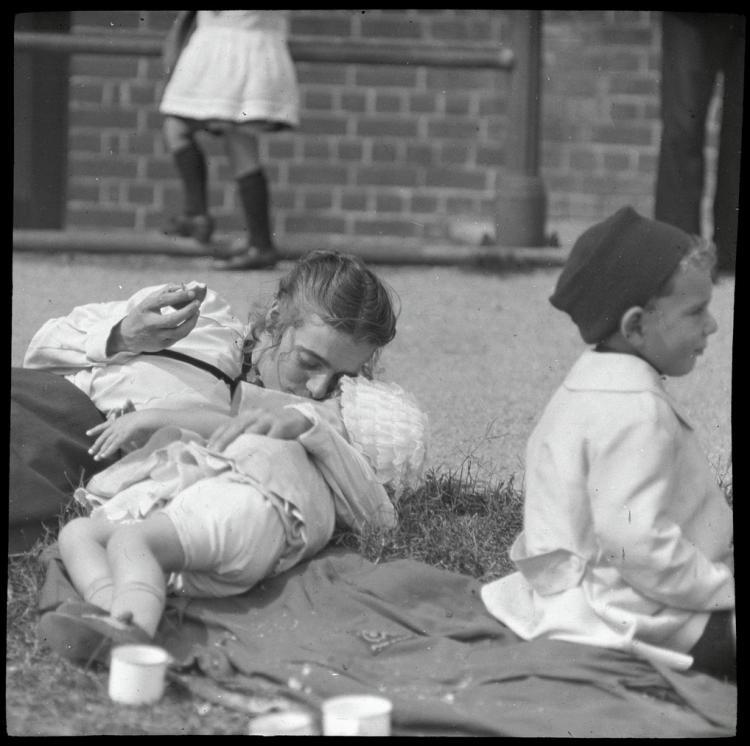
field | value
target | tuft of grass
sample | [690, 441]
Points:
[453, 521]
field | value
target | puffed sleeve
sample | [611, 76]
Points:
[70, 343]
[79, 340]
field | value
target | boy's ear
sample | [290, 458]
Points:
[631, 324]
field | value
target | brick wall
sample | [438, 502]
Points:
[601, 128]
[407, 153]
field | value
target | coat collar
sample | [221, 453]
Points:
[616, 371]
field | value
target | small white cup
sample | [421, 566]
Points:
[288, 723]
[137, 673]
[357, 715]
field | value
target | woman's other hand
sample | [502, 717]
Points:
[284, 424]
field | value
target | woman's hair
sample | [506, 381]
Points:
[340, 289]
[700, 253]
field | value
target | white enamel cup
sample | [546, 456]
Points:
[288, 723]
[357, 715]
[137, 674]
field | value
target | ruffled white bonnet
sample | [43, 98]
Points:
[386, 424]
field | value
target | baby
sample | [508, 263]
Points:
[627, 538]
[212, 517]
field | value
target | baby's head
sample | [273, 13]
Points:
[640, 286]
[386, 425]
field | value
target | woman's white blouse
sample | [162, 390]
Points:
[75, 346]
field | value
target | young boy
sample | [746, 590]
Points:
[627, 538]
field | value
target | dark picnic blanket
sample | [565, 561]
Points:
[421, 636]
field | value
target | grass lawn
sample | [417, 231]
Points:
[481, 351]
[453, 522]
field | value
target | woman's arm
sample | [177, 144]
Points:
[132, 430]
[87, 335]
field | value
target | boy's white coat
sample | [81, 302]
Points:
[627, 539]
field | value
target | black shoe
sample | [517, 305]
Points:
[241, 256]
[199, 227]
[82, 631]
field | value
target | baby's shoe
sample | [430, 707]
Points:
[199, 227]
[81, 631]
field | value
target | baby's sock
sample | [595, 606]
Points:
[99, 592]
[144, 600]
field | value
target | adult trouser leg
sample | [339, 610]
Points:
[688, 73]
[727, 196]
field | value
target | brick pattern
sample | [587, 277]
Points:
[385, 152]
[601, 128]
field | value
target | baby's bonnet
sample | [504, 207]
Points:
[386, 424]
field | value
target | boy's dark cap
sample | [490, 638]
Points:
[615, 265]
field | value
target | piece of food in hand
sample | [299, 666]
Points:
[199, 288]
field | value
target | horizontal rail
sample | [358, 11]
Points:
[349, 52]
[396, 251]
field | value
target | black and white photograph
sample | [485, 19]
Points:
[371, 373]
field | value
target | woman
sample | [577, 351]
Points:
[329, 316]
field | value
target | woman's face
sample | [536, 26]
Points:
[310, 359]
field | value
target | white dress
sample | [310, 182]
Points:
[235, 67]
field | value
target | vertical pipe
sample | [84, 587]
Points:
[521, 200]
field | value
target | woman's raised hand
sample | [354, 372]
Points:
[285, 424]
[147, 329]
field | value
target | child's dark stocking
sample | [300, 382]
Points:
[259, 250]
[254, 198]
[195, 222]
[191, 165]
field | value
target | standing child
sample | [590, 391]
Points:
[627, 538]
[212, 518]
[234, 78]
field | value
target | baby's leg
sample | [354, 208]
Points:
[82, 544]
[140, 555]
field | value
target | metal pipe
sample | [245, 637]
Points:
[398, 252]
[346, 52]
[521, 198]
